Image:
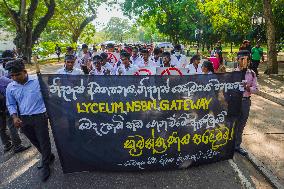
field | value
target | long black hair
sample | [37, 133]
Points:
[208, 65]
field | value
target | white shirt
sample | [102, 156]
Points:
[109, 68]
[3, 72]
[121, 70]
[179, 61]
[150, 63]
[113, 58]
[77, 63]
[97, 72]
[158, 62]
[192, 70]
[75, 71]
[138, 61]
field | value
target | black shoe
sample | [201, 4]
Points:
[8, 147]
[51, 160]
[45, 173]
[21, 148]
[241, 151]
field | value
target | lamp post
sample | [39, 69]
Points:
[198, 34]
[257, 21]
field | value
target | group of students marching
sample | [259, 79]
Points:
[23, 105]
[110, 61]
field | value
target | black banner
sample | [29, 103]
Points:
[129, 123]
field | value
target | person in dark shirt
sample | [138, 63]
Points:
[13, 140]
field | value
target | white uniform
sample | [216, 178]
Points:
[150, 63]
[97, 72]
[75, 71]
[3, 72]
[179, 61]
[107, 67]
[121, 70]
[192, 70]
[113, 58]
[158, 62]
[138, 61]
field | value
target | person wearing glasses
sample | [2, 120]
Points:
[69, 68]
[26, 106]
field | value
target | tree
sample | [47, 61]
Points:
[271, 40]
[29, 19]
[116, 28]
[87, 36]
[72, 17]
[176, 19]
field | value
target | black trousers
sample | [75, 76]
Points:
[254, 66]
[241, 121]
[6, 138]
[35, 127]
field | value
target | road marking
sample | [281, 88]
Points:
[244, 181]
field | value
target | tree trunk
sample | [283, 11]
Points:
[271, 41]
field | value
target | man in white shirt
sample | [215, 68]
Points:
[86, 59]
[69, 67]
[135, 58]
[166, 56]
[97, 68]
[112, 55]
[179, 60]
[194, 67]
[109, 69]
[147, 61]
[126, 68]
[157, 57]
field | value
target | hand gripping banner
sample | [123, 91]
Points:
[130, 123]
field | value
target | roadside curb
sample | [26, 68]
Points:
[270, 97]
[268, 175]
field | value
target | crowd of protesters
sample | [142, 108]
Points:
[23, 106]
[113, 59]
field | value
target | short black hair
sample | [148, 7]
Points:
[69, 48]
[166, 54]
[8, 54]
[110, 45]
[135, 48]
[69, 57]
[104, 55]
[157, 51]
[84, 46]
[15, 66]
[178, 47]
[194, 57]
[125, 54]
[97, 57]
[243, 53]
[145, 51]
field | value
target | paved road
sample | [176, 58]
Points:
[19, 171]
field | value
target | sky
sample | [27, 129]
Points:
[104, 14]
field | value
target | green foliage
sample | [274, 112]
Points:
[44, 49]
[117, 28]
[88, 34]
[229, 20]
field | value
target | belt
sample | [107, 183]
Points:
[40, 114]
